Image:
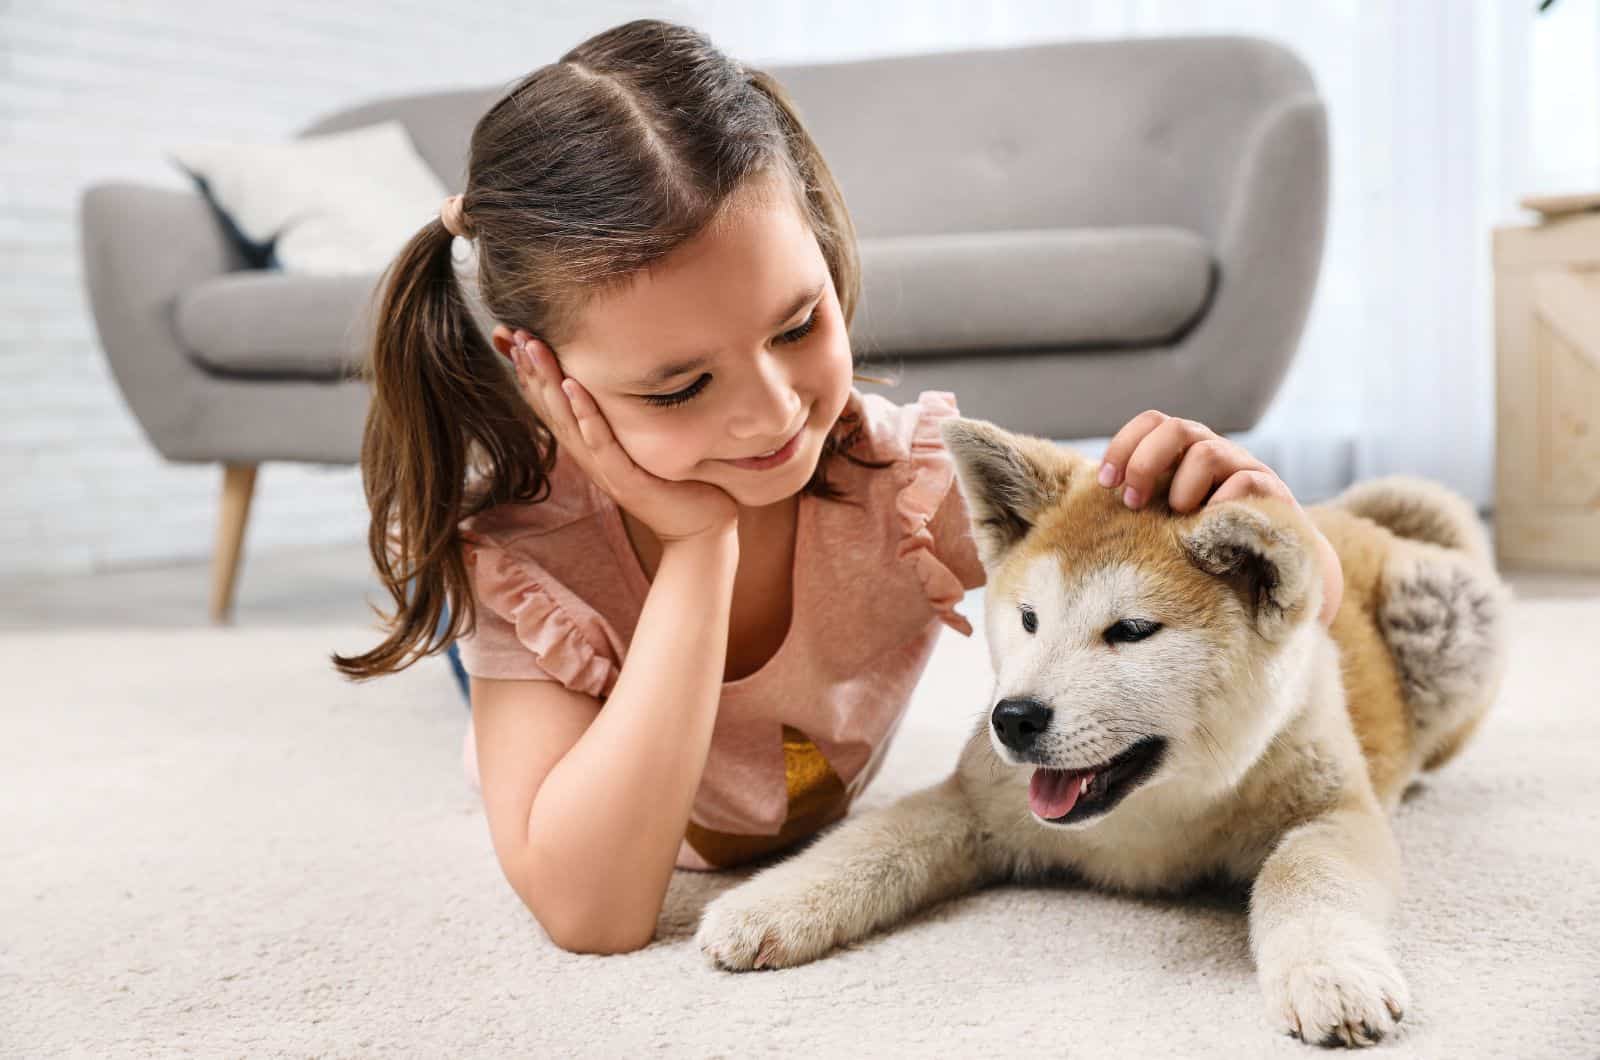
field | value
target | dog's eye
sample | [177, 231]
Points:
[1129, 630]
[1030, 621]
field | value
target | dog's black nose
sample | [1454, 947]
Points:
[1020, 721]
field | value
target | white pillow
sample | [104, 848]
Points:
[337, 203]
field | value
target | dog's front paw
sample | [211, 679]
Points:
[1340, 990]
[756, 926]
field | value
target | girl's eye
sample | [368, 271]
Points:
[796, 334]
[788, 337]
[1130, 629]
[680, 396]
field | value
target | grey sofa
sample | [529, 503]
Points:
[1061, 234]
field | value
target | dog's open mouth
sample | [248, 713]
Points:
[1064, 796]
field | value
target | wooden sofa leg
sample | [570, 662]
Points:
[238, 485]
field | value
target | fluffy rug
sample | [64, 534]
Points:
[213, 845]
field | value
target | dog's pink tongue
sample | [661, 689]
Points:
[1053, 793]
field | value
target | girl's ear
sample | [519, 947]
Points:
[501, 340]
[1007, 479]
[1260, 548]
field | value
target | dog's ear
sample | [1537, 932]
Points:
[1007, 480]
[1261, 547]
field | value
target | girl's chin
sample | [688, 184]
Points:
[754, 489]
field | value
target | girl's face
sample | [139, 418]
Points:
[725, 349]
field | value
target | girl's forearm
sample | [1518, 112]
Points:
[607, 823]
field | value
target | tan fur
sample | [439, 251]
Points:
[1287, 743]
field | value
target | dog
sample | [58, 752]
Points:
[1168, 711]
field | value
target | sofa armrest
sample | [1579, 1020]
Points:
[142, 246]
[1269, 252]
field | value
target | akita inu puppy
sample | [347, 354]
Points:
[1168, 709]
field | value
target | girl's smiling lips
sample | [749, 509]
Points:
[779, 456]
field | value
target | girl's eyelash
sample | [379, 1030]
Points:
[796, 334]
[680, 396]
[791, 336]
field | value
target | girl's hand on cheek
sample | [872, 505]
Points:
[673, 511]
[1210, 469]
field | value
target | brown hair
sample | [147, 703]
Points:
[588, 170]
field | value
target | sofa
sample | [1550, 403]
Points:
[1062, 234]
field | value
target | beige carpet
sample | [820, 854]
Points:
[213, 846]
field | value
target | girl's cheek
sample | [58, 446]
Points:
[663, 453]
[839, 368]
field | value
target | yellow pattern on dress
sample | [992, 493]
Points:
[817, 798]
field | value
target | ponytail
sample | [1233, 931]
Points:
[444, 404]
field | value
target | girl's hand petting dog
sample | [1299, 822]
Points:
[1209, 468]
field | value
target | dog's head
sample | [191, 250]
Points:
[1130, 648]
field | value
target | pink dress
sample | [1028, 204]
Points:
[559, 590]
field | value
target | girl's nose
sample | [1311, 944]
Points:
[770, 407]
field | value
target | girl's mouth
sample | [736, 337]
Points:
[778, 456]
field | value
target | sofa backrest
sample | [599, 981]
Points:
[1063, 135]
[1078, 134]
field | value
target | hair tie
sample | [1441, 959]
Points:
[454, 215]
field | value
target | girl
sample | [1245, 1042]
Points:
[693, 572]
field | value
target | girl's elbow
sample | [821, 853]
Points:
[577, 926]
[584, 931]
[596, 939]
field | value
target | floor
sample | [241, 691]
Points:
[214, 845]
[325, 585]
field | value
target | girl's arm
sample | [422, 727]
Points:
[587, 816]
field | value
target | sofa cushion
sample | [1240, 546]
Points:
[277, 324]
[932, 295]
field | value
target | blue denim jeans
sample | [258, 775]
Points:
[455, 660]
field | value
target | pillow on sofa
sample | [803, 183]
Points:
[342, 202]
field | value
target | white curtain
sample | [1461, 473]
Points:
[1429, 145]
[1429, 118]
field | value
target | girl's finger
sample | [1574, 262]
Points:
[528, 387]
[1252, 483]
[545, 379]
[610, 459]
[592, 427]
[1157, 453]
[543, 361]
[1125, 442]
[1204, 465]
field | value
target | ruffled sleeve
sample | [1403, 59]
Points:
[529, 625]
[937, 537]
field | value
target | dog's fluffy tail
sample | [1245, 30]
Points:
[1421, 510]
[1443, 615]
